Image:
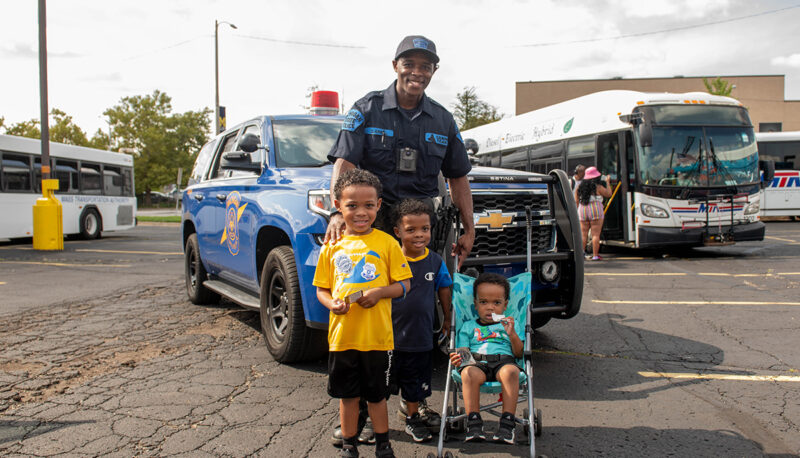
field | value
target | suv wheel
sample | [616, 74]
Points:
[196, 275]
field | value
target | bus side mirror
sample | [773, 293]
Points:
[645, 133]
[768, 172]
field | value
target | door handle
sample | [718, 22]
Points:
[221, 197]
[198, 197]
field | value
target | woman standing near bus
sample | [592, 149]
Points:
[589, 196]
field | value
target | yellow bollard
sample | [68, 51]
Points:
[48, 229]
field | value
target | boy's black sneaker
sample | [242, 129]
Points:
[474, 429]
[431, 417]
[506, 429]
[416, 428]
[384, 450]
[348, 451]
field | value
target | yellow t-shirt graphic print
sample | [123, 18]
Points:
[359, 263]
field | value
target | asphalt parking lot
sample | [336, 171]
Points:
[673, 353]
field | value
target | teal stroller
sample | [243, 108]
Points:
[519, 306]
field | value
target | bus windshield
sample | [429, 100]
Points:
[699, 157]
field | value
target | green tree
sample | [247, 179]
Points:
[62, 129]
[29, 129]
[718, 86]
[470, 111]
[163, 141]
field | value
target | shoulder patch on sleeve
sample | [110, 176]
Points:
[353, 119]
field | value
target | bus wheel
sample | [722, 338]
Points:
[282, 319]
[90, 224]
[196, 275]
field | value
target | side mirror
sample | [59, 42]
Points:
[249, 143]
[768, 172]
[645, 133]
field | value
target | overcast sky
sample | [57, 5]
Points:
[103, 50]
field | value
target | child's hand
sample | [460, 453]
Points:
[370, 298]
[340, 307]
[455, 358]
[508, 325]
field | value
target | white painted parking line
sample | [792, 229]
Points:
[168, 253]
[747, 378]
[63, 264]
[695, 302]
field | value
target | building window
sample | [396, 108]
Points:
[770, 127]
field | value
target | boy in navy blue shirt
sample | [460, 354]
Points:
[412, 315]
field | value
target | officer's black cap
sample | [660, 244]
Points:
[417, 43]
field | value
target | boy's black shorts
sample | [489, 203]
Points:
[491, 368]
[358, 374]
[410, 375]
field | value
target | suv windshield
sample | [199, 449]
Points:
[304, 142]
[696, 156]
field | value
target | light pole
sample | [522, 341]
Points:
[216, 71]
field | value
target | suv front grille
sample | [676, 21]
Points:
[511, 239]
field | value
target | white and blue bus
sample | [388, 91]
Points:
[782, 195]
[683, 168]
[95, 187]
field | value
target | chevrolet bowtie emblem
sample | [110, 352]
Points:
[493, 220]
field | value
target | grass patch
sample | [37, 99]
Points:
[159, 219]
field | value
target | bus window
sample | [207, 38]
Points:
[127, 183]
[91, 180]
[516, 159]
[37, 174]
[67, 175]
[112, 181]
[580, 151]
[16, 173]
[546, 157]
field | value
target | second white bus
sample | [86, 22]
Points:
[95, 187]
[683, 167]
[782, 195]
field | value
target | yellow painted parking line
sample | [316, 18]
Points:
[616, 274]
[782, 240]
[2, 283]
[747, 378]
[695, 302]
[682, 274]
[63, 264]
[168, 253]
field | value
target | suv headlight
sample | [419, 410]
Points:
[752, 208]
[319, 201]
[653, 211]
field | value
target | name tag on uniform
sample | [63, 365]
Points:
[436, 138]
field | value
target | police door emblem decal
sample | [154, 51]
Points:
[233, 213]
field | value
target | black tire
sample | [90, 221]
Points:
[283, 322]
[540, 320]
[90, 224]
[448, 455]
[196, 274]
[537, 431]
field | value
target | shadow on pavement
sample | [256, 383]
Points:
[15, 430]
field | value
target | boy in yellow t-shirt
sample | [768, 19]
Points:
[356, 279]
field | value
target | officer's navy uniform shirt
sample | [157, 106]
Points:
[375, 130]
[412, 316]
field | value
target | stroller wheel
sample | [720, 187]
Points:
[448, 455]
[431, 455]
[456, 426]
[538, 423]
[526, 431]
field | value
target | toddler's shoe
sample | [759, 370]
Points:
[474, 428]
[506, 429]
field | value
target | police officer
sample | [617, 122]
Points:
[406, 139]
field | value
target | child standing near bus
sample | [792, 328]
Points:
[412, 315]
[356, 278]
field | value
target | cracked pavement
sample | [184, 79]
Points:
[134, 369]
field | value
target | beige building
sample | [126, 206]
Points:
[762, 95]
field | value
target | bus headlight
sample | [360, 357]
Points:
[653, 211]
[752, 208]
[319, 201]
